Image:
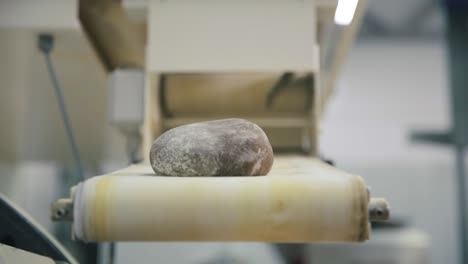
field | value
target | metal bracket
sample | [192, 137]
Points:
[62, 210]
[378, 210]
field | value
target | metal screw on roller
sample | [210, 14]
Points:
[378, 210]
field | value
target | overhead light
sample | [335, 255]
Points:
[344, 12]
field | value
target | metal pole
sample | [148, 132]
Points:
[46, 44]
[462, 209]
[457, 43]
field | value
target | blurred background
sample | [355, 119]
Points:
[395, 81]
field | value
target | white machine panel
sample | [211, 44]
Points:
[39, 14]
[236, 36]
[126, 87]
[11, 255]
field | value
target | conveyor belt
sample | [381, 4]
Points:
[301, 200]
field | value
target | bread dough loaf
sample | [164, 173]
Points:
[227, 147]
